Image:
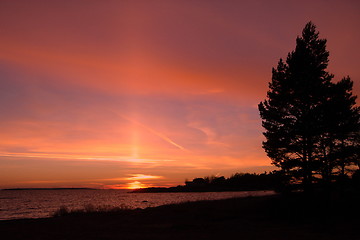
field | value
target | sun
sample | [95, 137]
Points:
[136, 185]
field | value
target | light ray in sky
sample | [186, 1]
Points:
[162, 136]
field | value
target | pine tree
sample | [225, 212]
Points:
[340, 129]
[302, 99]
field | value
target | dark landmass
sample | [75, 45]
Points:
[190, 189]
[237, 182]
[19, 189]
[295, 216]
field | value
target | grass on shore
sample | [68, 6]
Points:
[91, 209]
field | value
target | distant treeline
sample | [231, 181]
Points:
[236, 182]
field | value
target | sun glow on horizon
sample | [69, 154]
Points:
[134, 181]
[136, 185]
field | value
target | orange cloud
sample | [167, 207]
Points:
[143, 177]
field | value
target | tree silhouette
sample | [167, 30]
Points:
[309, 120]
[340, 130]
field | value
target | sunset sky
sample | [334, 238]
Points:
[127, 94]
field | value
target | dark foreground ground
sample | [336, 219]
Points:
[273, 217]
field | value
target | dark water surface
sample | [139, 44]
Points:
[42, 203]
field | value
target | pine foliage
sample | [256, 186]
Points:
[310, 122]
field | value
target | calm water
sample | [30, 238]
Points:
[42, 203]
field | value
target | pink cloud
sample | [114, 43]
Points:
[163, 89]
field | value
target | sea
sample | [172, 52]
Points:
[20, 204]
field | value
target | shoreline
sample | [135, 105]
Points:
[44, 209]
[268, 217]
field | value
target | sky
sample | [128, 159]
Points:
[129, 94]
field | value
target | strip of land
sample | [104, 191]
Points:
[294, 216]
[21, 189]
